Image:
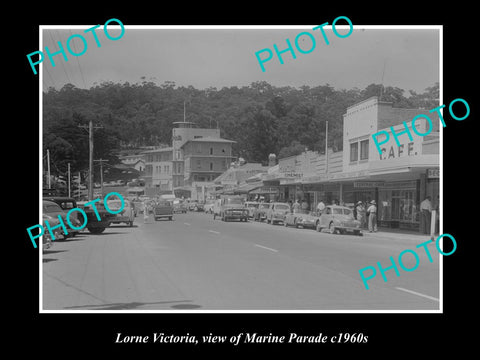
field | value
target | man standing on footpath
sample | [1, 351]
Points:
[426, 210]
[372, 216]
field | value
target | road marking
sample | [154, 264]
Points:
[418, 294]
[188, 224]
[267, 248]
[213, 231]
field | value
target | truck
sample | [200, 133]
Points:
[163, 209]
[232, 207]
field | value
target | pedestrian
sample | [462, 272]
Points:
[361, 214]
[426, 210]
[304, 205]
[146, 214]
[320, 207]
[372, 216]
[296, 206]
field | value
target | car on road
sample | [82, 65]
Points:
[260, 213]
[52, 209]
[179, 206]
[94, 225]
[47, 240]
[232, 208]
[277, 212]
[198, 207]
[251, 206]
[163, 209]
[127, 215]
[336, 218]
[301, 218]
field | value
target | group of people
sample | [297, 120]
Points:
[366, 213]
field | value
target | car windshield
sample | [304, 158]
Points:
[264, 206]
[337, 211]
[348, 212]
[233, 201]
[282, 207]
[49, 208]
[115, 204]
[252, 205]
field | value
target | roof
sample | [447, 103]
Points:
[158, 150]
[210, 139]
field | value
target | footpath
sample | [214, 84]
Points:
[394, 234]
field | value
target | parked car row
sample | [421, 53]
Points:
[334, 218]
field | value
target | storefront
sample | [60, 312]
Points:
[399, 204]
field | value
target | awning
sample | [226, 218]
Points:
[247, 187]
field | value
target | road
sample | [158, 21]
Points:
[197, 263]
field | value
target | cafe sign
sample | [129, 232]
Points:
[368, 184]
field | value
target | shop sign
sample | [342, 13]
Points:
[400, 185]
[368, 184]
[433, 173]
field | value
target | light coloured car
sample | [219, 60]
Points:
[251, 206]
[127, 215]
[260, 213]
[340, 219]
[277, 212]
[301, 218]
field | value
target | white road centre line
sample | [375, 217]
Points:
[213, 231]
[266, 248]
[418, 294]
[188, 224]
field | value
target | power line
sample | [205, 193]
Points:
[78, 62]
[63, 66]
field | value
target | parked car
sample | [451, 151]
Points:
[260, 213]
[94, 225]
[198, 206]
[191, 205]
[54, 210]
[208, 207]
[179, 206]
[337, 218]
[163, 209]
[277, 212]
[251, 206]
[47, 240]
[232, 207]
[127, 215]
[302, 218]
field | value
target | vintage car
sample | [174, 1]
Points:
[94, 225]
[163, 209]
[277, 212]
[127, 215]
[251, 206]
[198, 207]
[54, 210]
[260, 213]
[232, 207]
[301, 218]
[47, 240]
[179, 206]
[340, 219]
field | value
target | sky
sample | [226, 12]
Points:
[402, 57]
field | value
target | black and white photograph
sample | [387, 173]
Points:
[283, 178]
[237, 183]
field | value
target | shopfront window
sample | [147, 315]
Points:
[398, 207]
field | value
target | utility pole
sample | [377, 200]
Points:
[48, 169]
[69, 180]
[326, 148]
[101, 172]
[90, 158]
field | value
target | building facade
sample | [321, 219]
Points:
[159, 170]
[398, 177]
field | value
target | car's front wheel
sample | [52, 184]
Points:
[332, 228]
